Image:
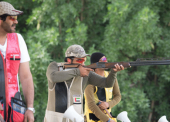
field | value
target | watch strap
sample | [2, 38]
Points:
[31, 109]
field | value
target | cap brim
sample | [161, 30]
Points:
[16, 12]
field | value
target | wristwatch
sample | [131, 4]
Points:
[31, 109]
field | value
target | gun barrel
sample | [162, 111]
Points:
[156, 62]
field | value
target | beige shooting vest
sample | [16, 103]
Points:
[74, 96]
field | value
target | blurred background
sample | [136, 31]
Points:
[124, 30]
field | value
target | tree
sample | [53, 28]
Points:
[123, 29]
[136, 29]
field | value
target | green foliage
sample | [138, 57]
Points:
[124, 30]
[134, 31]
[77, 35]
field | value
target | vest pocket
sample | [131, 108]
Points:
[14, 60]
[78, 108]
[51, 116]
[17, 117]
[18, 110]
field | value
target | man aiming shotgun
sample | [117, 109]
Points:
[66, 85]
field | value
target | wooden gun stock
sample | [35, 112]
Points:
[106, 111]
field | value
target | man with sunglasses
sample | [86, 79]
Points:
[94, 95]
[66, 86]
[14, 59]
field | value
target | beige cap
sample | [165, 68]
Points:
[76, 51]
[7, 8]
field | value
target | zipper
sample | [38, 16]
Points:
[68, 94]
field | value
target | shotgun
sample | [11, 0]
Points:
[138, 62]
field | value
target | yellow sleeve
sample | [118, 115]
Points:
[89, 94]
[116, 95]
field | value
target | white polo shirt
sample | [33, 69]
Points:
[23, 49]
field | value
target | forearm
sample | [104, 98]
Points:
[98, 113]
[27, 83]
[28, 91]
[56, 76]
[116, 95]
[100, 81]
[60, 76]
[114, 101]
[89, 94]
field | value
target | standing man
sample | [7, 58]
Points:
[94, 94]
[66, 86]
[14, 59]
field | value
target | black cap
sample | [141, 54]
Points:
[95, 57]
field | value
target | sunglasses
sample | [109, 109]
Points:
[13, 18]
[80, 60]
[104, 59]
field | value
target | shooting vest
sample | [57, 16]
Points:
[8, 73]
[73, 96]
[108, 95]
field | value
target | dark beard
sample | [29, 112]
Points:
[7, 28]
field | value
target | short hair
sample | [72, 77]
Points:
[71, 57]
[3, 17]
